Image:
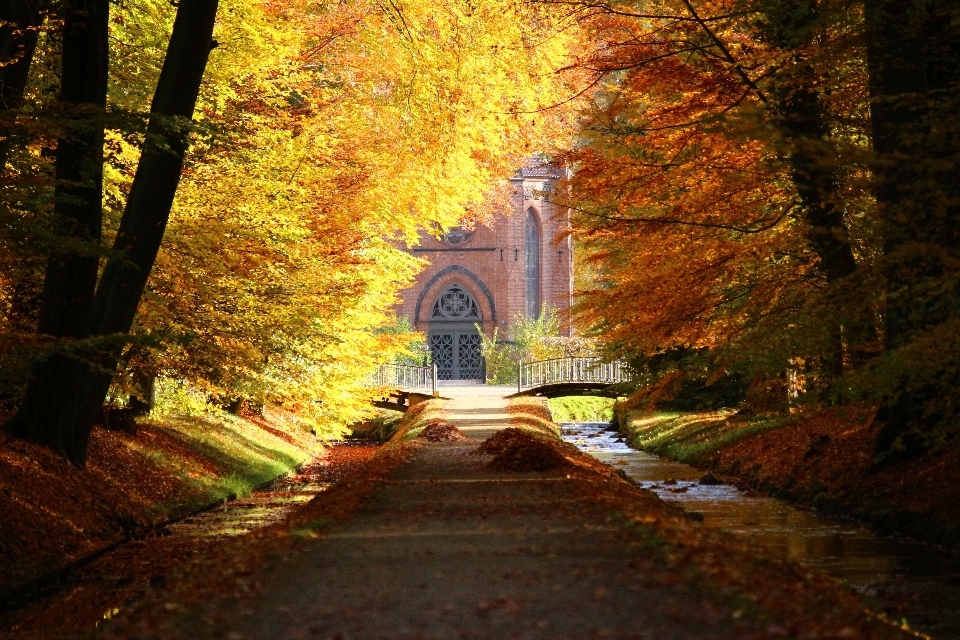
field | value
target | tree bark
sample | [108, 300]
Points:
[70, 279]
[812, 161]
[74, 401]
[18, 42]
[913, 67]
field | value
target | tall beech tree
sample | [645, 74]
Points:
[20, 22]
[63, 404]
[913, 50]
[777, 181]
[797, 27]
[71, 277]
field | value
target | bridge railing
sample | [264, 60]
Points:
[404, 376]
[560, 370]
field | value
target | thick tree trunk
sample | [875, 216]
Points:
[144, 373]
[817, 185]
[71, 279]
[812, 160]
[75, 399]
[18, 43]
[914, 67]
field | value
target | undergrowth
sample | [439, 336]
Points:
[381, 427]
[581, 409]
[237, 486]
[533, 415]
[689, 437]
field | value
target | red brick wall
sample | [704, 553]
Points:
[496, 258]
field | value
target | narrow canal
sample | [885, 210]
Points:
[100, 589]
[907, 580]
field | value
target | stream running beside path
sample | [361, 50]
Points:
[905, 579]
[101, 588]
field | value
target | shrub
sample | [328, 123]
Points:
[532, 339]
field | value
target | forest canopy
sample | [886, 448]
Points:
[768, 190]
[764, 193]
[323, 137]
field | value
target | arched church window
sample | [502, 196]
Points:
[455, 303]
[457, 235]
[532, 274]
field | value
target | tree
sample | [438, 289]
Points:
[62, 406]
[318, 151]
[18, 40]
[719, 184]
[914, 50]
[777, 181]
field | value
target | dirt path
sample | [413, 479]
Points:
[444, 548]
[447, 550]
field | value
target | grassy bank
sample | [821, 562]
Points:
[55, 514]
[581, 409]
[822, 459]
[533, 415]
[415, 420]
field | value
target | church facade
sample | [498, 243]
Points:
[490, 275]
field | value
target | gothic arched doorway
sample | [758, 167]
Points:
[453, 336]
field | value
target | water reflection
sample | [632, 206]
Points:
[905, 579]
[99, 590]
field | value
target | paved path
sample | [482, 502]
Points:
[478, 410]
[446, 549]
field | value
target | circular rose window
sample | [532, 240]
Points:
[457, 235]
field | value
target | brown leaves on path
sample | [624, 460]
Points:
[440, 430]
[516, 450]
[143, 567]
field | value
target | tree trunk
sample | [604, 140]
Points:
[817, 185]
[913, 66]
[144, 399]
[71, 279]
[18, 41]
[79, 388]
[812, 160]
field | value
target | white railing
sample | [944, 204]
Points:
[560, 370]
[404, 377]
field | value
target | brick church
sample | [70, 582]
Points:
[490, 275]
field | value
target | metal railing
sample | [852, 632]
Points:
[404, 377]
[560, 370]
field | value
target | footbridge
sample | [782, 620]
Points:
[404, 385]
[558, 377]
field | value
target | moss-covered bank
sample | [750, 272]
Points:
[55, 515]
[818, 458]
[581, 409]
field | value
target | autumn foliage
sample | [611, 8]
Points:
[326, 136]
[761, 192]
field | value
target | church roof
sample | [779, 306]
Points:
[538, 168]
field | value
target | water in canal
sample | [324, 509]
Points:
[905, 579]
[101, 588]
